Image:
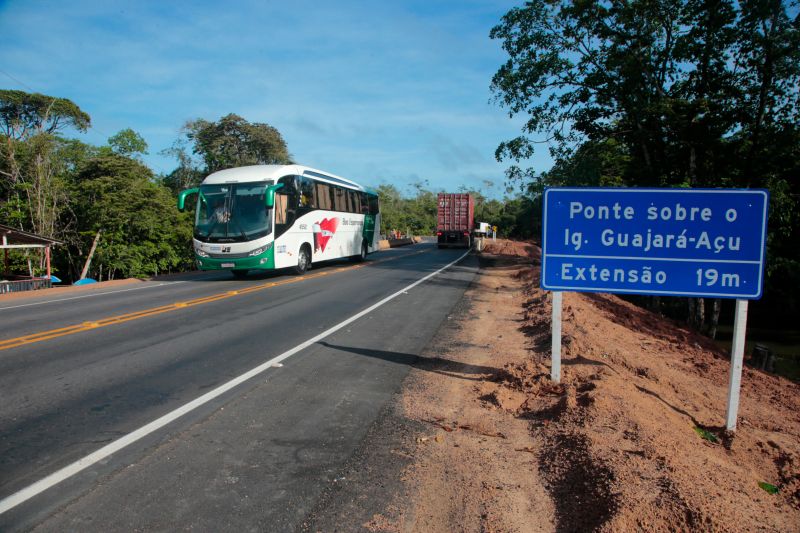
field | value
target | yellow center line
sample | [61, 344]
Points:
[127, 317]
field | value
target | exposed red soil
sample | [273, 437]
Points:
[616, 446]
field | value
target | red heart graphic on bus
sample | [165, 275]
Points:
[327, 227]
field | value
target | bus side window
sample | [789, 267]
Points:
[373, 205]
[355, 201]
[364, 203]
[308, 195]
[281, 208]
[324, 196]
[340, 203]
[348, 201]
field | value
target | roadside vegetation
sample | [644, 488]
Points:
[664, 93]
[414, 213]
[117, 218]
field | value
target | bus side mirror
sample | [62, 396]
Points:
[182, 197]
[269, 196]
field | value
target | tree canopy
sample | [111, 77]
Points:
[116, 198]
[115, 217]
[670, 93]
[682, 86]
[128, 143]
[24, 114]
[233, 142]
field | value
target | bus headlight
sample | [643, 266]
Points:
[200, 252]
[259, 251]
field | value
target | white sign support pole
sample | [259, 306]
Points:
[555, 355]
[737, 358]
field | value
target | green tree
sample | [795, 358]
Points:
[233, 142]
[187, 174]
[134, 219]
[671, 82]
[659, 93]
[589, 71]
[392, 208]
[25, 114]
[414, 213]
[32, 188]
[128, 143]
[421, 211]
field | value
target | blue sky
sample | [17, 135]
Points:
[380, 92]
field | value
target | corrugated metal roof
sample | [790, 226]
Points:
[17, 237]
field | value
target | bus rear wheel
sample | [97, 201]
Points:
[362, 256]
[303, 261]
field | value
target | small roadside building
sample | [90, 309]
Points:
[11, 238]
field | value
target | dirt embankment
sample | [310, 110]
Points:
[631, 440]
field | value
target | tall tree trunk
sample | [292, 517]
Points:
[701, 313]
[13, 172]
[91, 254]
[645, 150]
[766, 74]
[655, 304]
[712, 326]
[696, 315]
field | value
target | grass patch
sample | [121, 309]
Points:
[769, 487]
[706, 434]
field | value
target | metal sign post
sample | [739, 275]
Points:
[737, 360]
[555, 351]
[706, 243]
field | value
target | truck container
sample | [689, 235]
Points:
[455, 220]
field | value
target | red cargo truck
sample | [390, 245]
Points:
[455, 220]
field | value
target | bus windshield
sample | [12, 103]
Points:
[232, 212]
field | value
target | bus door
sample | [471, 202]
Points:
[369, 206]
[286, 202]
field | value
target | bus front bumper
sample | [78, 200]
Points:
[264, 261]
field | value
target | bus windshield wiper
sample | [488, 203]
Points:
[241, 231]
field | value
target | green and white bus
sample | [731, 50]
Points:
[264, 217]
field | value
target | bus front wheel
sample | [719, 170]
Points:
[303, 261]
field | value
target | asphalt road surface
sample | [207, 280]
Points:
[131, 408]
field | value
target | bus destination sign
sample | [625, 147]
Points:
[675, 242]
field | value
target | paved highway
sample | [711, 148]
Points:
[131, 407]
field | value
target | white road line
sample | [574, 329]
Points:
[70, 470]
[91, 295]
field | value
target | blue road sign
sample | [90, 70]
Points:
[676, 242]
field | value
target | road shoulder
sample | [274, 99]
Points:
[630, 440]
[448, 454]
